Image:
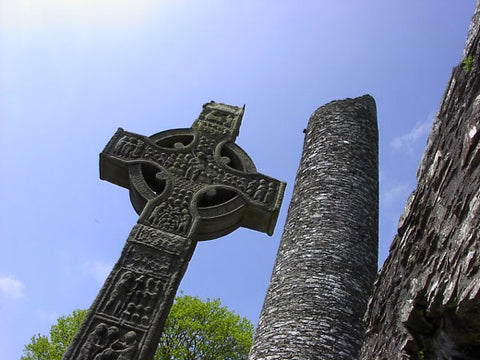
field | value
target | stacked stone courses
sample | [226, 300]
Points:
[426, 301]
[327, 258]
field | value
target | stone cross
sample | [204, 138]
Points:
[187, 185]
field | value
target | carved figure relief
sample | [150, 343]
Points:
[184, 222]
[218, 119]
[139, 309]
[270, 195]
[121, 292]
[144, 260]
[149, 299]
[133, 298]
[172, 214]
[104, 343]
[95, 342]
[212, 128]
[124, 349]
[129, 147]
[154, 154]
[261, 191]
[154, 238]
[166, 160]
[195, 167]
[159, 245]
[252, 185]
[206, 145]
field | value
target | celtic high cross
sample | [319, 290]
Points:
[187, 185]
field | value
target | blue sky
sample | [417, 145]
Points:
[72, 72]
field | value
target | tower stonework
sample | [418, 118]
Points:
[327, 258]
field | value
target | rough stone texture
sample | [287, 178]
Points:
[425, 303]
[186, 185]
[327, 259]
[134, 301]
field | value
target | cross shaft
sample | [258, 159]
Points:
[186, 185]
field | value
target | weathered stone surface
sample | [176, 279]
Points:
[187, 185]
[426, 300]
[327, 259]
[135, 298]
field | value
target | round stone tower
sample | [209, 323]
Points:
[327, 258]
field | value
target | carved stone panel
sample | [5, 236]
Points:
[106, 340]
[132, 303]
[186, 185]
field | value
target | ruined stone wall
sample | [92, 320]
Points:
[327, 258]
[426, 300]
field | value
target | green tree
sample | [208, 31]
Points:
[194, 329]
[43, 348]
[205, 331]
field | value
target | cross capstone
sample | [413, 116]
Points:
[186, 185]
[195, 182]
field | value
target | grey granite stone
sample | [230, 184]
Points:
[187, 185]
[426, 300]
[327, 259]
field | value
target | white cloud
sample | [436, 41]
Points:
[11, 287]
[407, 141]
[96, 269]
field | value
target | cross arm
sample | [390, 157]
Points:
[187, 185]
[264, 203]
[122, 149]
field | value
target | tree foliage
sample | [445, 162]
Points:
[52, 348]
[205, 331]
[194, 330]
